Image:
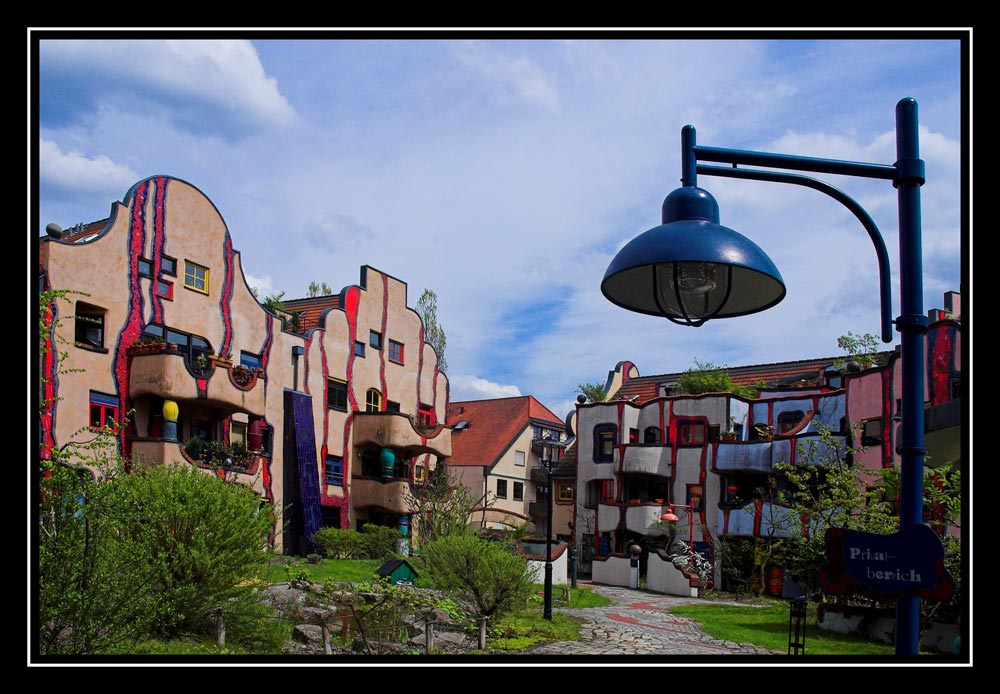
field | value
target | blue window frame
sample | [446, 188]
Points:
[334, 470]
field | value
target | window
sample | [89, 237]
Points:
[605, 438]
[375, 339]
[633, 436]
[789, 420]
[608, 490]
[250, 360]
[89, 325]
[103, 410]
[196, 277]
[420, 473]
[373, 401]
[519, 458]
[391, 406]
[696, 497]
[359, 349]
[396, 351]
[651, 435]
[168, 265]
[501, 489]
[145, 268]
[336, 395]
[202, 429]
[334, 470]
[165, 289]
[425, 415]
[564, 491]
[519, 491]
[871, 432]
[237, 432]
[691, 433]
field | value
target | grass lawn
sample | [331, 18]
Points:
[527, 627]
[767, 626]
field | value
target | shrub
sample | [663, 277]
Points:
[379, 540]
[338, 543]
[205, 537]
[314, 558]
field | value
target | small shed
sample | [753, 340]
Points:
[397, 571]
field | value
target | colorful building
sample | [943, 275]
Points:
[711, 457]
[503, 449]
[329, 419]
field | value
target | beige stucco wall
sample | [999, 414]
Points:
[195, 230]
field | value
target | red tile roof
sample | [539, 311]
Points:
[311, 308]
[786, 373]
[493, 425]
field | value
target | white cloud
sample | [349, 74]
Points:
[74, 171]
[468, 387]
[261, 284]
[511, 77]
[205, 86]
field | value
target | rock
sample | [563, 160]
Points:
[308, 634]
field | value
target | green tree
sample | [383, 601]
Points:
[706, 377]
[486, 574]
[433, 332]
[207, 536]
[593, 391]
[97, 586]
[859, 348]
[443, 506]
[319, 289]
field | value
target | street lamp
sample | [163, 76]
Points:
[547, 612]
[672, 517]
[690, 269]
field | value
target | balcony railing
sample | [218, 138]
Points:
[761, 456]
[651, 460]
[389, 495]
[170, 376]
[398, 431]
[774, 521]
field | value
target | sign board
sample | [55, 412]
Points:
[908, 562]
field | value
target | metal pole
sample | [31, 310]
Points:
[912, 325]
[547, 614]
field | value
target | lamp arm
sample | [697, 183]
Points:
[885, 288]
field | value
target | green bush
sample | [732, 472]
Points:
[379, 540]
[205, 536]
[96, 587]
[337, 543]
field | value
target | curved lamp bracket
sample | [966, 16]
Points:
[885, 291]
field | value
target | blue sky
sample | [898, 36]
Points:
[505, 173]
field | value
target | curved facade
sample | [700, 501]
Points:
[168, 319]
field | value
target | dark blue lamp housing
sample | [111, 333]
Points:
[690, 268]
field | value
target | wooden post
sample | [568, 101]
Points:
[428, 636]
[327, 648]
[220, 627]
[482, 633]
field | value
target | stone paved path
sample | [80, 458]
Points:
[637, 623]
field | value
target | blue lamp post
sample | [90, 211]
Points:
[690, 269]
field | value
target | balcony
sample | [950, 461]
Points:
[651, 460]
[167, 375]
[162, 452]
[608, 514]
[389, 495]
[644, 519]
[760, 456]
[397, 431]
[775, 521]
[538, 509]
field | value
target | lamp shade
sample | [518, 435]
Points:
[670, 516]
[691, 268]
